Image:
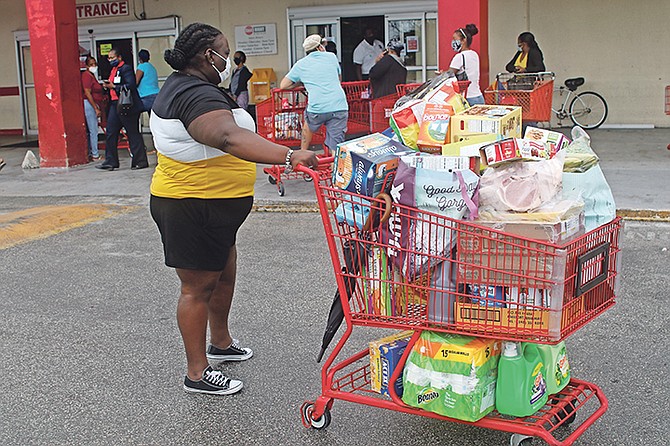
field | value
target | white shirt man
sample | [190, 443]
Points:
[366, 54]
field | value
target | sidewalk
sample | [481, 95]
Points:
[635, 163]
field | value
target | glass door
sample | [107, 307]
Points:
[327, 27]
[419, 34]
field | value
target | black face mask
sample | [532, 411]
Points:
[237, 60]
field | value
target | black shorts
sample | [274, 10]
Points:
[198, 233]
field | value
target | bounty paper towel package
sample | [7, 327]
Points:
[452, 375]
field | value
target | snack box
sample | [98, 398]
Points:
[442, 163]
[502, 120]
[385, 355]
[559, 140]
[434, 129]
[362, 164]
[514, 149]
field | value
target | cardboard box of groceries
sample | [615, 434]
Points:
[502, 120]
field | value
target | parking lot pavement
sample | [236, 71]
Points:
[90, 351]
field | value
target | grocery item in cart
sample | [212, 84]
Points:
[523, 185]
[489, 295]
[497, 119]
[556, 366]
[452, 375]
[514, 149]
[385, 355]
[354, 213]
[362, 164]
[406, 121]
[584, 179]
[287, 125]
[469, 145]
[558, 139]
[555, 222]
[521, 389]
[377, 288]
[434, 129]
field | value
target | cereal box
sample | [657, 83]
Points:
[515, 149]
[558, 140]
[385, 355]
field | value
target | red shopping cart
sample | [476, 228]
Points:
[358, 99]
[403, 89]
[531, 91]
[580, 276]
[280, 119]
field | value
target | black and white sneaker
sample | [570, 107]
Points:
[213, 382]
[233, 353]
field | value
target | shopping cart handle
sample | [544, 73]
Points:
[322, 162]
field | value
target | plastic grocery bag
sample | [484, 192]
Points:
[452, 375]
[579, 156]
[592, 188]
[522, 186]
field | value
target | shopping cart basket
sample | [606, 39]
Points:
[403, 89]
[380, 112]
[358, 99]
[531, 91]
[280, 119]
[393, 286]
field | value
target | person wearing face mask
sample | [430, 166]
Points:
[388, 71]
[366, 54]
[240, 79]
[93, 100]
[201, 192]
[465, 64]
[319, 71]
[123, 75]
[528, 58]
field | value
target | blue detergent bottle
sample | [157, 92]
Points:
[521, 389]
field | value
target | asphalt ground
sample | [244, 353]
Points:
[90, 352]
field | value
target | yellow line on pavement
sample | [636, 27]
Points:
[44, 221]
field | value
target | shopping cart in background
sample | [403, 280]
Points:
[581, 276]
[403, 89]
[280, 119]
[358, 98]
[531, 91]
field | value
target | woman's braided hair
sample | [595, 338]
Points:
[191, 41]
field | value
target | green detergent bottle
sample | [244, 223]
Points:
[556, 366]
[521, 389]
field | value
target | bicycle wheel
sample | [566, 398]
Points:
[588, 110]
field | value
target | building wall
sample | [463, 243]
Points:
[619, 46]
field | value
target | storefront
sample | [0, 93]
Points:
[96, 40]
[414, 23]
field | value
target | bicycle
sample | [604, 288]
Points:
[587, 110]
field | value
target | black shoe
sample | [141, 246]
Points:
[213, 382]
[105, 167]
[141, 166]
[232, 353]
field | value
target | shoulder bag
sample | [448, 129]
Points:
[462, 76]
[125, 104]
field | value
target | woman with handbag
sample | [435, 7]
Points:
[124, 112]
[465, 64]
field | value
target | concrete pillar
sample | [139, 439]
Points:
[54, 48]
[454, 14]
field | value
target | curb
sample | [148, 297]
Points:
[644, 215]
[313, 207]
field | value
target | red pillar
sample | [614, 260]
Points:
[454, 14]
[54, 48]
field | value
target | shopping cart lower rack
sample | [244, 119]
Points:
[578, 281]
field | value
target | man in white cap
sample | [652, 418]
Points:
[319, 71]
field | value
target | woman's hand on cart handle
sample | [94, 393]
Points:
[305, 158]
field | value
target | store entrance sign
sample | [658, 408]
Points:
[103, 9]
[256, 40]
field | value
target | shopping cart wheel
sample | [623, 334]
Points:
[320, 423]
[562, 415]
[280, 190]
[272, 179]
[307, 178]
[520, 440]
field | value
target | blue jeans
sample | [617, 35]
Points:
[148, 102]
[476, 100]
[91, 129]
